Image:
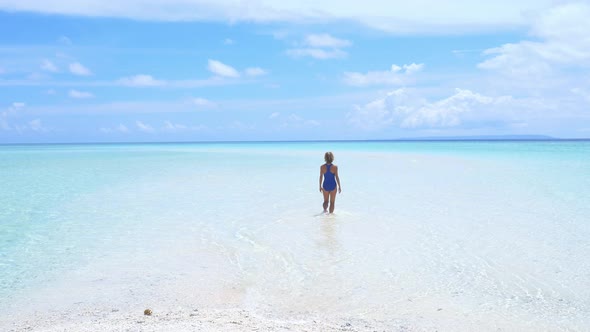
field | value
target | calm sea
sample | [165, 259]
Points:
[475, 235]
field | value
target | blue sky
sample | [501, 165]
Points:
[200, 70]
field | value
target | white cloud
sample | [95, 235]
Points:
[238, 125]
[174, 127]
[413, 67]
[49, 66]
[11, 110]
[36, 125]
[144, 127]
[255, 71]
[293, 120]
[50, 92]
[203, 103]
[228, 41]
[4, 123]
[77, 68]
[321, 46]
[32, 125]
[141, 80]
[296, 121]
[326, 40]
[122, 128]
[373, 115]
[221, 69]
[407, 109]
[317, 53]
[395, 76]
[80, 94]
[561, 41]
[264, 106]
[394, 16]
[449, 111]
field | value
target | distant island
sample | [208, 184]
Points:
[481, 137]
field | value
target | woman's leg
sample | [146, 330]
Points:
[326, 197]
[332, 200]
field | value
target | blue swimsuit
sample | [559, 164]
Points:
[329, 179]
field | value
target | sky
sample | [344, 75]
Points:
[225, 70]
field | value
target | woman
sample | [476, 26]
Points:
[331, 181]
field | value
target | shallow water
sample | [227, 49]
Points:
[473, 234]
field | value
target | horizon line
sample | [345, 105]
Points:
[507, 138]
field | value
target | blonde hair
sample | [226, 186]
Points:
[329, 157]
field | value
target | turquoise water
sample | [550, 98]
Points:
[493, 232]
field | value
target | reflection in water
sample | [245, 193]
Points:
[329, 240]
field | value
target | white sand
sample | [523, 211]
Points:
[195, 320]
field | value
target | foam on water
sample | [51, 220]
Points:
[490, 235]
